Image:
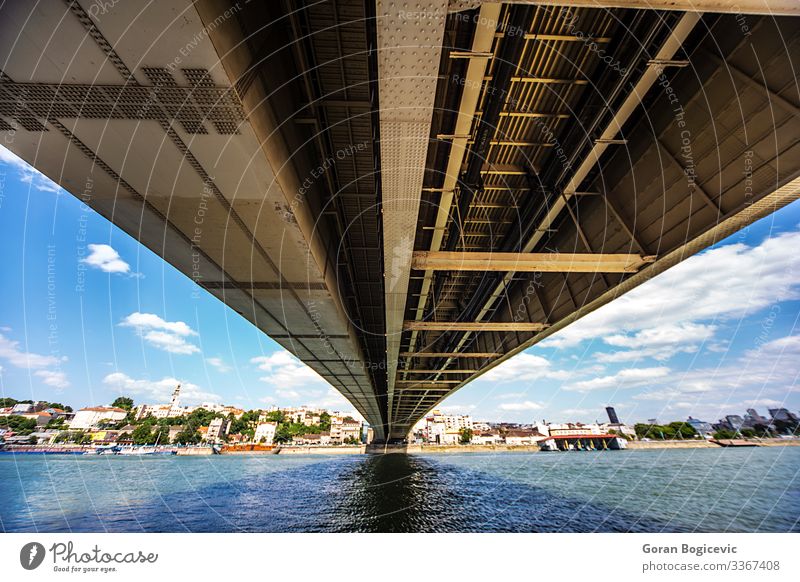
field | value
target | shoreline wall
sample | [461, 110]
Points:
[346, 450]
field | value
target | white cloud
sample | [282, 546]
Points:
[170, 342]
[289, 394]
[766, 402]
[681, 390]
[523, 366]
[332, 399]
[724, 283]
[159, 391]
[770, 370]
[627, 378]
[293, 380]
[284, 372]
[169, 336]
[457, 408]
[219, 364]
[578, 411]
[660, 343]
[517, 406]
[106, 259]
[153, 321]
[43, 365]
[54, 378]
[27, 173]
[9, 350]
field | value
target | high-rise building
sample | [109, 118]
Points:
[753, 419]
[782, 414]
[733, 422]
[612, 415]
[700, 426]
[175, 396]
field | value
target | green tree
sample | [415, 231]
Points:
[188, 436]
[200, 417]
[56, 422]
[142, 435]
[724, 434]
[682, 430]
[274, 416]
[123, 402]
[284, 433]
[161, 434]
[18, 424]
[324, 422]
[465, 435]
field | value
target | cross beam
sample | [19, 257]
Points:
[450, 354]
[529, 262]
[421, 383]
[413, 371]
[473, 326]
[768, 7]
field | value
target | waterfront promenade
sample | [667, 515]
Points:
[424, 449]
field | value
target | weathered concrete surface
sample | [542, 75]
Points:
[701, 444]
[449, 449]
[348, 450]
[195, 452]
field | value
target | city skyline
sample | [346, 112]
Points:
[670, 348]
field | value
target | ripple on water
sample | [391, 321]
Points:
[694, 490]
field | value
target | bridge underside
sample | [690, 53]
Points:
[405, 201]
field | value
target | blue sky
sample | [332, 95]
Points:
[88, 314]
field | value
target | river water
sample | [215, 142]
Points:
[753, 489]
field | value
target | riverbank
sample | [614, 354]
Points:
[315, 450]
[631, 445]
[278, 450]
[704, 444]
[694, 444]
[379, 449]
